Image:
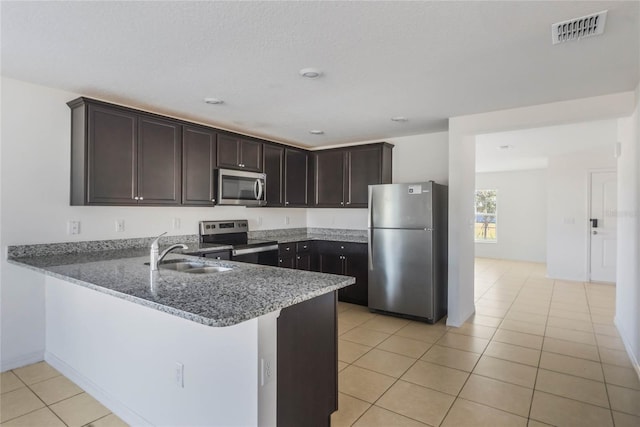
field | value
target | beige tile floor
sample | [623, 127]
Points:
[37, 395]
[537, 352]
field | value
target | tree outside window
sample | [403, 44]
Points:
[486, 218]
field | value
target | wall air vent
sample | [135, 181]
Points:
[578, 28]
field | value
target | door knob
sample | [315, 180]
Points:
[594, 232]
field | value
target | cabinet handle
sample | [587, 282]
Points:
[135, 198]
[286, 203]
[304, 247]
[342, 203]
[287, 249]
[348, 203]
[217, 257]
[213, 200]
[341, 247]
[280, 260]
[297, 257]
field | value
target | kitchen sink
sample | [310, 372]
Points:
[188, 266]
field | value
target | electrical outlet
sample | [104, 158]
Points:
[120, 225]
[176, 223]
[259, 221]
[266, 369]
[286, 220]
[179, 374]
[73, 227]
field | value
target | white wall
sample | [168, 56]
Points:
[416, 158]
[628, 271]
[126, 354]
[568, 210]
[36, 125]
[522, 215]
[421, 158]
[462, 131]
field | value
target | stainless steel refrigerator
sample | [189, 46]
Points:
[408, 249]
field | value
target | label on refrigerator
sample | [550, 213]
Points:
[415, 189]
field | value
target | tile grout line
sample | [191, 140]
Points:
[535, 381]
[604, 378]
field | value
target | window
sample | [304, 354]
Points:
[486, 218]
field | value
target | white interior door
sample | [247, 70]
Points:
[604, 196]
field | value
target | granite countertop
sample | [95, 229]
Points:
[245, 292]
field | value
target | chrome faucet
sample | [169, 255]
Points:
[156, 257]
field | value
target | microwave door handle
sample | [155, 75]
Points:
[260, 189]
[255, 189]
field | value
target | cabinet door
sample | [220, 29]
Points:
[331, 263]
[198, 163]
[251, 155]
[228, 154]
[364, 166]
[273, 161]
[356, 266]
[303, 261]
[329, 178]
[296, 178]
[287, 261]
[159, 160]
[111, 156]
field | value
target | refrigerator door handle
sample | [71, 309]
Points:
[370, 218]
[369, 252]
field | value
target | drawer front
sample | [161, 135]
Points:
[303, 246]
[287, 249]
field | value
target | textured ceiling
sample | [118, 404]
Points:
[426, 61]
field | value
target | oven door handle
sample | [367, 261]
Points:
[245, 251]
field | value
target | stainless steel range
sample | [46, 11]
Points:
[235, 233]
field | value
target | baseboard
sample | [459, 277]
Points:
[114, 405]
[19, 362]
[457, 324]
[627, 346]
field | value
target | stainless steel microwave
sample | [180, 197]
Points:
[241, 188]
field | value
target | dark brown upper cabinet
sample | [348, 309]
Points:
[273, 162]
[289, 176]
[123, 157]
[342, 175]
[298, 178]
[198, 165]
[238, 153]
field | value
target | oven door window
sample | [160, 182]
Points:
[240, 188]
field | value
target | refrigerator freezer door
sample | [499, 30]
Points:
[400, 271]
[400, 205]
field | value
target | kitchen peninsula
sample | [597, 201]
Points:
[253, 345]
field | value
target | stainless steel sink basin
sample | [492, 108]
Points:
[188, 266]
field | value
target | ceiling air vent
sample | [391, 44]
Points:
[579, 28]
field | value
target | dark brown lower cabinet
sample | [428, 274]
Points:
[308, 363]
[349, 259]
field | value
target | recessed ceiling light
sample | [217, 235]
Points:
[399, 119]
[213, 101]
[505, 147]
[310, 73]
[316, 132]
